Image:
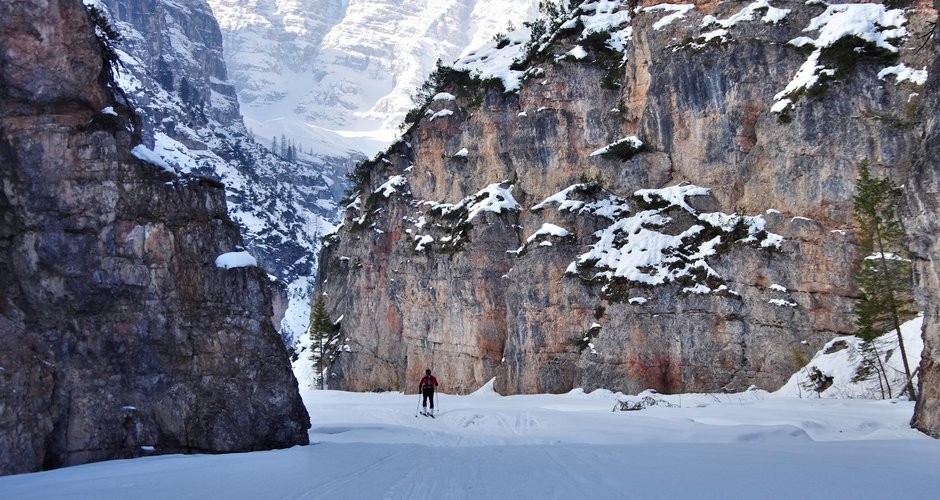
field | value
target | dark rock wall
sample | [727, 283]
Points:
[119, 336]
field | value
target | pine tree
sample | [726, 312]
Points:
[165, 75]
[107, 36]
[324, 339]
[885, 274]
[186, 92]
[274, 145]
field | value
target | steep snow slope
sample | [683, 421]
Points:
[338, 75]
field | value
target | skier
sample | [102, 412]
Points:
[426, 387]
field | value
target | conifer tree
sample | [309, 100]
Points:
[165, 74]
[324, 339]
[185, 92]
[885, 274]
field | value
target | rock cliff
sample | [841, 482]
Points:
[121, 336]
[646, 197]
[923, 195]
[174, 74]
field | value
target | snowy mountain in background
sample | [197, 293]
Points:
[338, 75]
[174, 74]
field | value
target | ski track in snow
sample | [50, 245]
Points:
[746, 445]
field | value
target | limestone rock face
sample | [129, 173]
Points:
[420, 280]
[923, 196]
[120, 336]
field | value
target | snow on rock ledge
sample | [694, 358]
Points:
[903, 73]
[504, 57]
[548, 230]
[492, 198]
[773, 15]
[391, 185]
[842, 362]
[144, 153]
[873, 24]
[232, 260]
[676, 12]
[494, 59]
[632, 142]
[647, 248]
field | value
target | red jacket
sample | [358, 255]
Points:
[428, 382]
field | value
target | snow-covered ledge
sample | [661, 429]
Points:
[231, 260]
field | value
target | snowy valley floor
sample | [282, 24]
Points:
[748, 445]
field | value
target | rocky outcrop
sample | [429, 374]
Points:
[174, 74]
[426, 272]
[923, 196]
[121, 337]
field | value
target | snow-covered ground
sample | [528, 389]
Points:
[748, 445]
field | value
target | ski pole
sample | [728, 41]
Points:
[419, 404]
